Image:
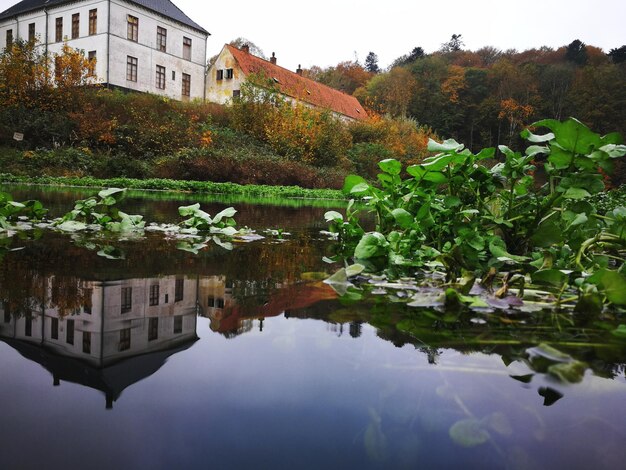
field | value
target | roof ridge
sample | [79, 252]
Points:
[291, 71]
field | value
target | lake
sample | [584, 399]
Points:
[132, 353]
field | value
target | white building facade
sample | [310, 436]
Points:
[147, 45]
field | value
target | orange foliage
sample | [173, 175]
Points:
[454, 83]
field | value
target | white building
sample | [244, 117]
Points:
[145, 45]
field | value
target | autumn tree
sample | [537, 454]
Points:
[576, 52]
[618, 55]
[392, 91]
[415, 54]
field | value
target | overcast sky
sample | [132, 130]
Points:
[325, 32]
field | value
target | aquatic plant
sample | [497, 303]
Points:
[452, 213]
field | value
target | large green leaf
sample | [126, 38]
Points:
[105, 193]
[449, 145]
[371, 245]
[572, 135]
[613, 285]
[536, 139]
[391, 166]
[550, 276]
[350, 182]
[225, 214]
[403, 218]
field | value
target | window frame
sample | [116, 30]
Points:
[58, 29]
[75, 25]
[161, 42]
[229, 74]
[31, 32]
[69, 332]
[154, 288]
[179, 286]
[219, 75]
[132, 67]
[132, 28]
[93, 22]
[9, 38]
[187, 45]
[160, 84]
[125, 336]
[126, 300]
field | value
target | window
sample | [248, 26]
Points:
[153, 329]
[236, 93]
[187, 93]
[7, 313]
[54, 328]
[133, 28]
[131, 69]
[58, 34]
[167, 299]
[87, 342]
[69, 333]
[180, 283]
[93, 59]
[9, 37]
[75, 25]
[28, 329]
[173, 75]
[127, 299]
[220, 75]
[161, 39]
[229, 74]
[88, 293]
[93, 22]
[31, 32]
[186, 48]
[178, 324]
[154, 288]
[160, 84]
[125, 339]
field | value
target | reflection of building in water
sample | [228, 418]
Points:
[123, 333]
[233, 306]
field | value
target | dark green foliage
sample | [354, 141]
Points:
[452, 212]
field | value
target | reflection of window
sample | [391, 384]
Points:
[154, 294]
[89, 292]
[31, 32]
[87, 342]
[153, 329]
[93, 22]
[7, 314]
[219, 303]
[54, 328]
[211, 302]
[58, 34]
[131, 69]
[125, 339]
[69, 334]
[180, 285]
[186, 48]
[127, 299]
[178, 324]
[161, 39]
[75, 25]
[160, 77]
[28, 329]
[186, 85]
[167, 299]
[133, 28]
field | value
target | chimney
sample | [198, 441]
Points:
[299, 69]
[246, 48]
[273, 59]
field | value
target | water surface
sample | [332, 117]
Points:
[245, 359]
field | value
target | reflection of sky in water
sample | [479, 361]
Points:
[299, 395]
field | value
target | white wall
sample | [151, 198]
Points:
[221, 91]
[144, 50]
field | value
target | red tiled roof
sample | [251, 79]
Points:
[299, 87]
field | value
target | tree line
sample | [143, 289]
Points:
[485, 97]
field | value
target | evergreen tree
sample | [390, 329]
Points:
[371, 63]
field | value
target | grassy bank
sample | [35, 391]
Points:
[178, 185]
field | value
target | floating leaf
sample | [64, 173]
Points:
[333, 216]
[468, 433]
